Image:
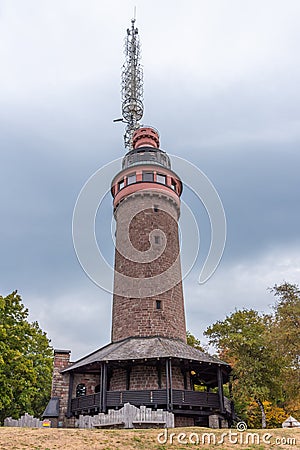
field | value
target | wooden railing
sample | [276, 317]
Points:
[157, 397]
[85, 402]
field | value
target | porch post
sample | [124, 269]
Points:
[104, 389]
[101, 387]
[69, 406]
[171, 390]
[220, 389]
[158, 368]
[128, 372]
[167, 384]
[183, 371]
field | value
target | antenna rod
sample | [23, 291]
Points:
[132, 85]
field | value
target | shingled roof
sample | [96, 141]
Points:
[135, 348]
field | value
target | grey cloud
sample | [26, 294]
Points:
[218, 99]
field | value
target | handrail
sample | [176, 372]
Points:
[182, 398]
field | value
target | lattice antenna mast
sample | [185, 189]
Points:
[132, 85]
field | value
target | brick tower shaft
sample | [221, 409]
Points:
[148, 296]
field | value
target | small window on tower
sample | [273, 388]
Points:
[161, 178]
[157, 239]
[158, 304]
[121, 184]
[173, 184]
[148, 176]
[155, 208]
[131, 178]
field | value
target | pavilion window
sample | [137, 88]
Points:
[80, 390]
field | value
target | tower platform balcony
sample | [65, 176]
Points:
[146, 155]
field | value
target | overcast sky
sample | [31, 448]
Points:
[221, 82]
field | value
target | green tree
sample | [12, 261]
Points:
[274, 415]
[193, 341]
[25, 361]
[285, 336]
[241, 340]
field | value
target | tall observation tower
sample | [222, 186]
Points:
[148, 362]
[148, 297]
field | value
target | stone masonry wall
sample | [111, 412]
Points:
[146, 377]
[153, 236]
[60, 382]
[89, 380]
[177, 378]
[183, 421]
[143, 377]
[118, 380]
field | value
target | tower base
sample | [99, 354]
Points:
[156, 373]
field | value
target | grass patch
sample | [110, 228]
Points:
[70, 439]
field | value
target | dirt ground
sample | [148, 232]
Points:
[75, 439]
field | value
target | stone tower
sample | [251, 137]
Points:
[148, 296]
